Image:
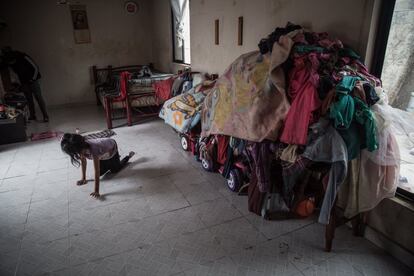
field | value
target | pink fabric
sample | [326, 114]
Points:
[46, 135]
[303, 80]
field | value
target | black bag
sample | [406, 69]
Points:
[15, 100]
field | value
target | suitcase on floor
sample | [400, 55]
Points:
[13, 130]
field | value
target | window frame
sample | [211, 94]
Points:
[173, 43]
[386, 13]
[404, 194]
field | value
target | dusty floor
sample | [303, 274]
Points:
[162, 215]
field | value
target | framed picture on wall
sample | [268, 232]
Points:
[80, 24]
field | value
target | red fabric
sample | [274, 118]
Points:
[222, 144]
[163, 89]
[125, 76]
[303, 80]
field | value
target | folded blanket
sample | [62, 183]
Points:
[183, 112]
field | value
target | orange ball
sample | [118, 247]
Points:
[306, 207]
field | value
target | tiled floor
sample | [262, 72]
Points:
[162, 215]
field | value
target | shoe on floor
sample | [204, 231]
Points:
[46, 119]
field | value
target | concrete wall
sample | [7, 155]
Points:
[347, 20]
[44, 31]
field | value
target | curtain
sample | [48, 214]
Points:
[178, 8]
[398, 70]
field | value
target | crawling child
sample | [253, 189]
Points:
[103, 152]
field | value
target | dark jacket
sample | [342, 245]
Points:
[25, 68]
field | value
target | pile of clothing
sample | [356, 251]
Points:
[306, 103]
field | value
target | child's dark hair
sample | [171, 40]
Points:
[73, 144]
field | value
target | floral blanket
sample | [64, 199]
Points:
[183, 112]
[248, 101]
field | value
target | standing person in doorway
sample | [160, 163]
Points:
[29, 75]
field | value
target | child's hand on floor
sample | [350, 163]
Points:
[95, 195]
[81, 182]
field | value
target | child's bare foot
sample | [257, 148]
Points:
[81, 182]
[131, 153]
[95, 195]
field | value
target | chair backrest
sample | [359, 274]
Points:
[101, 75]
